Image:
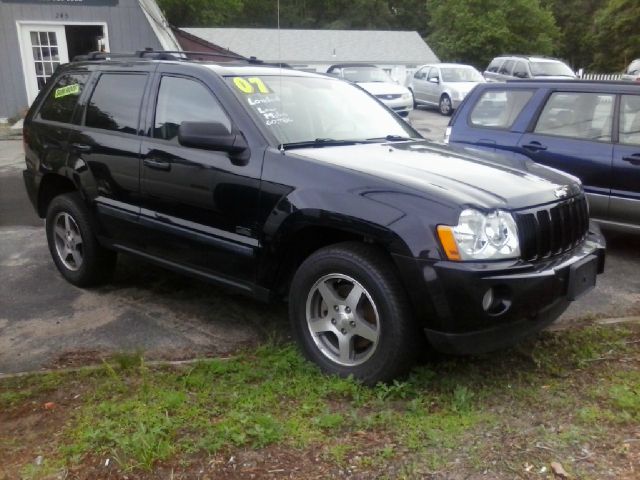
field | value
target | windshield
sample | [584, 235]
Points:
[460, 74]
[551, 69]
[366, 74]
[305, 109]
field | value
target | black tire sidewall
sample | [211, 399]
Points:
[386, 362]
[93, 267]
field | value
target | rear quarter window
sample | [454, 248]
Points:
[499, 108]
[63, 98]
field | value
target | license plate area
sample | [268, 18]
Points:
[582, 277]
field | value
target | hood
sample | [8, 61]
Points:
[383, 88]
[463, 87]
[466, 178]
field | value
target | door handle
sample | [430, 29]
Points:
[156, 164]
[534, 146]
[632, 159]
[81, 147]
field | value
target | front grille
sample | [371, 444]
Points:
[389, 97]
[550, 230]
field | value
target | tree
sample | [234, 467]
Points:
[574, 19]
[472, 31]
[617, 37]
[200, 13]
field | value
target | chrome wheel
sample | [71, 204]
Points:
[445, 105]
[343, 320]
[68, 241]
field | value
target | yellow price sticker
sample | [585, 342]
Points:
[249, 85]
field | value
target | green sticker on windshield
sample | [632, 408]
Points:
[68, 90]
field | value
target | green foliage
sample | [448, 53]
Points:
[200, 13]
[474, 32]
[616, 35]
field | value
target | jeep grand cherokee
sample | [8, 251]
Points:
[285, 184]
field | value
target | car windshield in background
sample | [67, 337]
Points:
[366, 74]
[321, 110]
[550, 69]
[458, 74]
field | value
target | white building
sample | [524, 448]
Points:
[397, 52]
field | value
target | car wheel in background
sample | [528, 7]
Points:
[445, 106]
[76, 252]
[350, 314]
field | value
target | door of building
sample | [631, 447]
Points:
[44, 47]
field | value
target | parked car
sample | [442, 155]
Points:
[632, 73]
[378, 83]
[588, 129]
[443, 85]
[514, 67]
[285, 184]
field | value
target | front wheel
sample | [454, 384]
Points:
[445, 105]
[350, 314]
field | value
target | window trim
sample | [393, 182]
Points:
[98, 75]
[617, 120]
[154, 106]
[470, 124]
[536, 118]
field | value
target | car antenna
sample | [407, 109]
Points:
[280, 65]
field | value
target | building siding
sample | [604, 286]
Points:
[127, 27]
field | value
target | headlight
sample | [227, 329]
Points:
[481, 237]
[406, 96]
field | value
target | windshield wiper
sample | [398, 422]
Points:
[393, 138]
[319, 143]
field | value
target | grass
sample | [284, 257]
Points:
[539, 405]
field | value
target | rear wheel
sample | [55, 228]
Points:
[74, 248]
[350, 314]
[413, 96]
[445, 106]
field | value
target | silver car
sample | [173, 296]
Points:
[632, 73]
[443, 85]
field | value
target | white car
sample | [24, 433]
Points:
[378, 83]
[443, 85]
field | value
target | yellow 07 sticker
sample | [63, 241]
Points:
[249, 85]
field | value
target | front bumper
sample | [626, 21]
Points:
[528, 297]
[399, 105]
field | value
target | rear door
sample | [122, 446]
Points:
[573, 133]
[106, 150]
[418, 84]
[200, 205]
[625, 185]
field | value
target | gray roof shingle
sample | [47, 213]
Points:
[321, 46]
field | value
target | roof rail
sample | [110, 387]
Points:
[151, 54]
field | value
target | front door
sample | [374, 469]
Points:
[44, 47]
[199, 204]
[625, 188]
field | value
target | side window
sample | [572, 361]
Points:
[494, 66]
[115, 103]
[184, 100]
[499, 108]
[434, 73]
[630, 119]
[586, 116]
[506, 67]
[419, 75]
[63, 98]
[520, 70]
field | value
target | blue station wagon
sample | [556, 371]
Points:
[588, 129]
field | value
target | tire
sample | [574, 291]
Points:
[413, 96]
[320, 298]
[445, 106]
[74, 248]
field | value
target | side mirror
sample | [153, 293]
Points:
[434, 80]
[214, 136]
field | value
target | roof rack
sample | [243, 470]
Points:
[151, 54]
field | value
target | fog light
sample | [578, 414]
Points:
[487, 300]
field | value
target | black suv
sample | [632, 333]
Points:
[285, 184]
